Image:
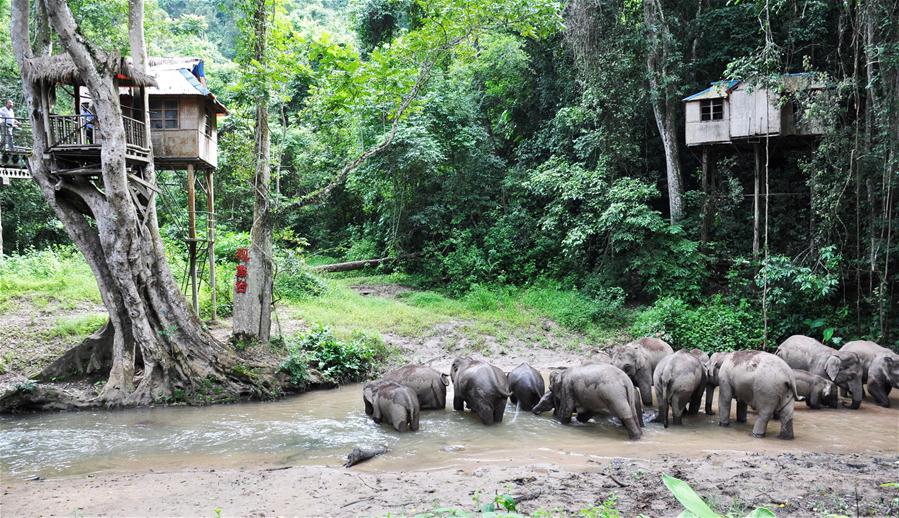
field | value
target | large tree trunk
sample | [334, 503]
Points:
[253, 308]
[153, 345]
[664, 105]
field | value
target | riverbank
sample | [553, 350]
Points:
[806, 484]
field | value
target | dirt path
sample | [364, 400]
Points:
[791, 485]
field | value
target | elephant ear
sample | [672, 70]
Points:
[445, 379]
[832, 367]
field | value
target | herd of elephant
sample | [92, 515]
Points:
[621, 383]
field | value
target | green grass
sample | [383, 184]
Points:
[498, 311]
[57, 274]
[345, 312]
[80, 326]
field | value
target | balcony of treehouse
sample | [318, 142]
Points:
[76, 137]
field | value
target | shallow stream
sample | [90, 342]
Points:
[322, 427]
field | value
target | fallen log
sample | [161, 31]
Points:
[363, 454]
[351, 265]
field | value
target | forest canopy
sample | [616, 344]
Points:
[522, 143]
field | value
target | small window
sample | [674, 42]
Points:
[210, 123]
[711, 109]
[164, 114]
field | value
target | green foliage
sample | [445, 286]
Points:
[607, 509]
[296, 366]
[695, 506]
[714, 326]
[294, 281]
[338, 360]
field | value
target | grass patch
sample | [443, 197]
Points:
[55, 274]
[345, 312]
[80, 326]
[500, 311]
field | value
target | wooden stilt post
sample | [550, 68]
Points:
[755, 203]
[210, 238]
[192, 237]
[706, 204]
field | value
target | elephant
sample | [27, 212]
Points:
[388, 400]
[483, 387]
[678, 379]
[760, 380]
[428, 384]
[702, 355]
[711, 380]
[815, 389]
[590, 389]
[638, 359]
[880, 369]
[841, 367]
[526, 384]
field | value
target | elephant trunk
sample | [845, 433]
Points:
[855, 388]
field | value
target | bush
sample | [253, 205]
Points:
[338, 361]
[577, 310]
[717, 326]
[294, 281]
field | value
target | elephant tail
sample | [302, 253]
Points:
[792, 386]
[666, 393]
[787, 400]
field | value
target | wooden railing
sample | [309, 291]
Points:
[15, 137]
[80, 131]
[135, 132]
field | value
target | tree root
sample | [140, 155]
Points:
[26, 395]
[92, 356]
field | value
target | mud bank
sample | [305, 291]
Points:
[807, 484]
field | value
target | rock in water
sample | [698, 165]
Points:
[363, 454]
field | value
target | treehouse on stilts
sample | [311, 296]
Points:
[183, 125]
[737, 115]
[184, 130]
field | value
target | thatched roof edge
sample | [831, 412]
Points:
[60, 69]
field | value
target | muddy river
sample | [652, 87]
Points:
[322, 427]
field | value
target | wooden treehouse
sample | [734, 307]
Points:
[183, 125]
[736, 114]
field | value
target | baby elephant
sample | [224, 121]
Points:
[760, 380]
[678, 379]
[638, 360]
[390, 401]
[526, 384]
[590, 389]
[483, 387]
[816, 390]
[880, 369]
[428, 384]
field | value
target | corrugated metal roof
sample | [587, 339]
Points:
[177, 79]
[717, 90]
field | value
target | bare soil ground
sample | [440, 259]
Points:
[791, 485]
[27, 341]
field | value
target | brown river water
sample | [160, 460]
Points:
[321, 427]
